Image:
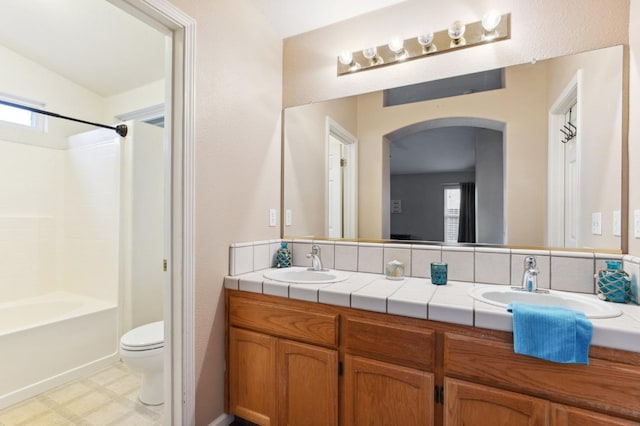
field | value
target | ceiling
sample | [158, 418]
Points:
[106, 50]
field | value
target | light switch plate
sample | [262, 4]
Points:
[596, 223]
[273, 217]
[617, 223]
[288, 217]
[636, 223]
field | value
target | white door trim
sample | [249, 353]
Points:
[180, 125]
[556, 155]
[350, 202]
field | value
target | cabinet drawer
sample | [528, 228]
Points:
[404, 345]
[277, 320]
[603, 385]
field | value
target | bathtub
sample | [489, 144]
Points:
[51, 339]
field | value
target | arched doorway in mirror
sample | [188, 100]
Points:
[446, 181]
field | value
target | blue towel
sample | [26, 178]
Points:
[551, 333]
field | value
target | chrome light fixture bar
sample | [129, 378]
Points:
[493, 27]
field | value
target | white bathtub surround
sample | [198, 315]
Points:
[51, 339]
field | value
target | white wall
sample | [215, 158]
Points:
[149, 95]
[26, 79]
[31, 181]
[90, 225]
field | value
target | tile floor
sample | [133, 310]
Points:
[108, 397]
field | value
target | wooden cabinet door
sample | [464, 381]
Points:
[379, 393]
[252, 376]
[563, 415]
[307, 385]
[470, 404]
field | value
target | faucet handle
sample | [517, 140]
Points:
[315, 249]
[529, 262]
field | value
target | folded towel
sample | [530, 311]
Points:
[551, 333]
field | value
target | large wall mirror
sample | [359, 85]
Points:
[527, 155]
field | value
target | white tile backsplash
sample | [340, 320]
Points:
[346, 256]
[493, 267]
[460, 261]
[572, 273]
[559, 270]
[370, 258]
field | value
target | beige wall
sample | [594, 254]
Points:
[634, 123]
[539, 29]
[238, 104]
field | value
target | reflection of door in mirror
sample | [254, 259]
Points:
[341, 182]
[564, 168]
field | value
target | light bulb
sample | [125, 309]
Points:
[396, 45]
[426, 39]
[370, 52]
[345, 57]
[491, 20]
[456, 30]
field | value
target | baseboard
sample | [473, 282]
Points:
[223, 420]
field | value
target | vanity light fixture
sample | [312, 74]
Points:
[493, 27]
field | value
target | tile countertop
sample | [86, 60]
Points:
[418, 298]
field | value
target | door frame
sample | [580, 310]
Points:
[556, 159]
[179, 147]
[350, 177]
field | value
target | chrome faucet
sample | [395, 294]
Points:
[530, 275]
[316, 262]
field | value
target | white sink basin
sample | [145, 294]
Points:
[302, 275]
[501, 296]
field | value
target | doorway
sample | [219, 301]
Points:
[342, 182]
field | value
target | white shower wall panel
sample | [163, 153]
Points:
[30, 203]
[91, 217]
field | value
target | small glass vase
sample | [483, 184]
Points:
[283, 256]
[613, 283]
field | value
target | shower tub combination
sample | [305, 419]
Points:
[51, 339]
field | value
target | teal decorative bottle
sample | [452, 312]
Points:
[614, 284]
[283, 256]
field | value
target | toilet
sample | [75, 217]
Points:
[142, 350]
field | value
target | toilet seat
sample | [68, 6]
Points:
[144, 338]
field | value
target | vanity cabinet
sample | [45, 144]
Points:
[299, 363]
[380, 393]
[273, 380]
[473, 404]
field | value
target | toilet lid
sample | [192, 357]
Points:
[145, 337]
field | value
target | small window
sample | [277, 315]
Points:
[451, 213]
[13, 116]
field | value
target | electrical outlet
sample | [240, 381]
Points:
[596, 223]
[273, 217]
[636, 223]
[288, 217]
[617, 223]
